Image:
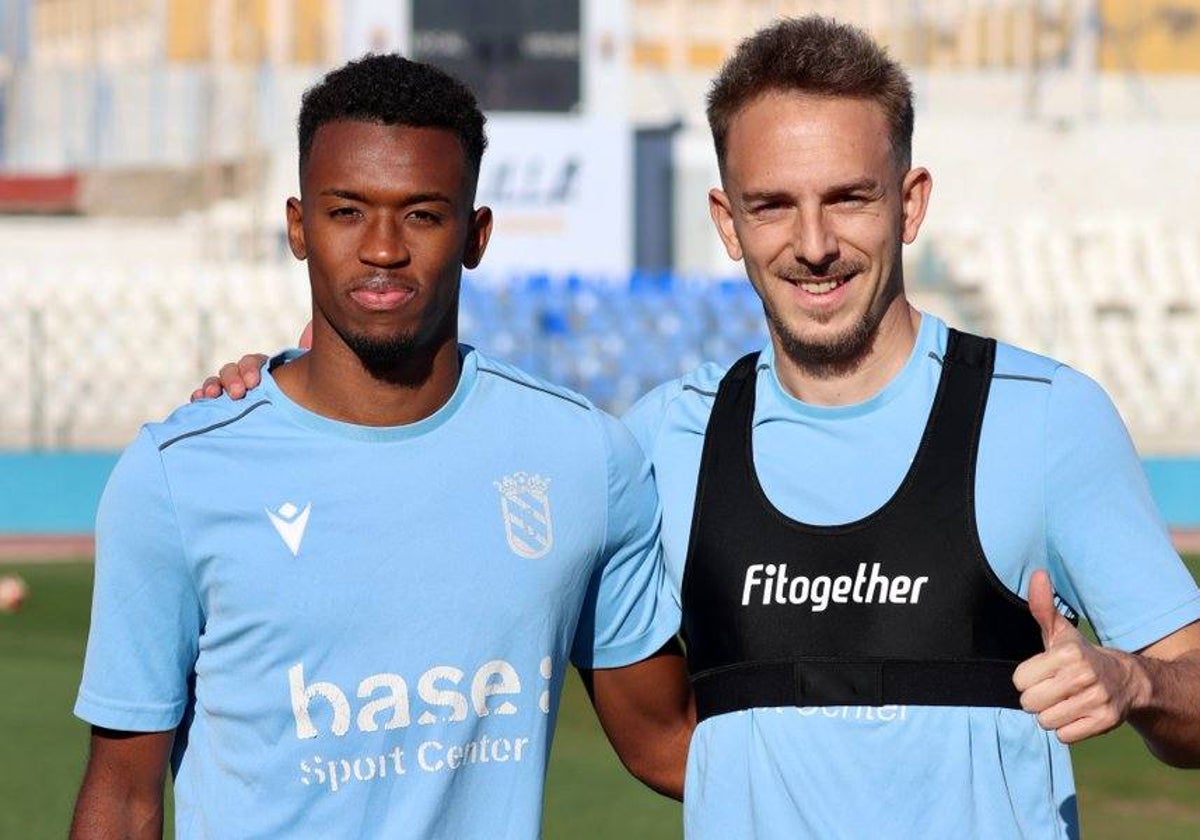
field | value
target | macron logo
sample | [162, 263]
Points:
[290, 522]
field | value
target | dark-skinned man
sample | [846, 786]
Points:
[344, 607]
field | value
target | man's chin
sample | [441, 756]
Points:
[828, 350]
[382, 352]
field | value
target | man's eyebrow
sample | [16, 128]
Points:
[866, 185]
[349, 195]
[415, 198]
[428, 197]
[757, 196]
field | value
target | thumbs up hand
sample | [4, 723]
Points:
[1076, 688]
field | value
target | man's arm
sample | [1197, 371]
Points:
[1169, 720]
[1079, 689]
[142, 646]
[647, 712]
[235, 378]
[122, 790]
[1112, 561]
[624, 644]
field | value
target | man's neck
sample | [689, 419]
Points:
[331, 381]
[890, 349]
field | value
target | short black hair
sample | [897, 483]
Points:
[818, 56]
[391, 90]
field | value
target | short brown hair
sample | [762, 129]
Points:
[818, 56]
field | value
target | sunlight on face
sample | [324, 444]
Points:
[817, 208]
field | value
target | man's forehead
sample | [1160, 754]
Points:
[347, 135]
[785, 132]
[802, 112]
[378, 151]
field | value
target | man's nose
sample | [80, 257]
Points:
[383, 242]
[813, 239]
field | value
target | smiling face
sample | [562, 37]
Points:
[386, 224]
[817, 207]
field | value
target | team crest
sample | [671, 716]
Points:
[526, 511]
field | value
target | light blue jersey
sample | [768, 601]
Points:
[1059, 486]
[363, 632]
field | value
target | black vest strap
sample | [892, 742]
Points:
[815, 682]
[900, 607]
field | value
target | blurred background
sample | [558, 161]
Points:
[147, 148]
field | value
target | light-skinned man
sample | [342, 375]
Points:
[854, 516]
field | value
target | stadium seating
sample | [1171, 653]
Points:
[105, 346]
[1119, 299]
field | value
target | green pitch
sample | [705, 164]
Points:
[1122, 791]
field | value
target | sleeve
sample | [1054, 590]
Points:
[628, 613]
[645, 416]
[146, 615]
[1104, 531]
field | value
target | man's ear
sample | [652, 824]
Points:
[477, 236]
[295, 229]
[914, 197]
[722, 215]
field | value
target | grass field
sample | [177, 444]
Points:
[1122, 791]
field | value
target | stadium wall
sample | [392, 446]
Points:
[54, 494]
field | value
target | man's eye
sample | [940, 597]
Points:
[344, 212]
[424, 217]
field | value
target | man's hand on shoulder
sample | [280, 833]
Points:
[234, 378]
[1079, 689]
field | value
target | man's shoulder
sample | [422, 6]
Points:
[1029, 372]
[682, 405]
[1019, 364]
[555, 412]
[1036, 391]
[164, 447]
[204, 417]
[697, 385]
[519, 384]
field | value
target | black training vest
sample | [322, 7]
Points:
[900, 607]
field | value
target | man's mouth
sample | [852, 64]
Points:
[382, 294]
[821, 287]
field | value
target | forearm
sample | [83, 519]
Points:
[647, 712]
[670, 764]
[109, 809]
[1167, 715]
[121, 797]
[658, 758]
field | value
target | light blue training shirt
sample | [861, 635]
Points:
[1058, 486]
[363, 632]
